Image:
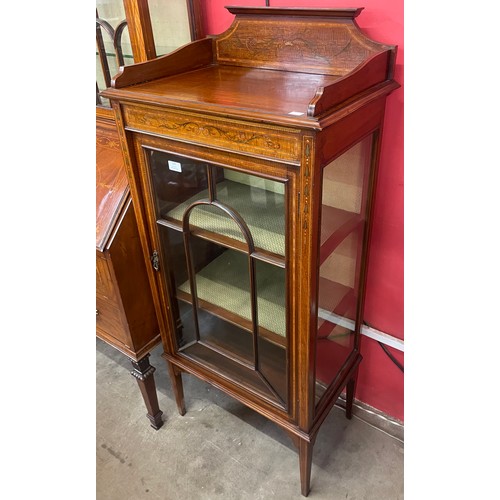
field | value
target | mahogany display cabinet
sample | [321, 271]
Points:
[252, 158]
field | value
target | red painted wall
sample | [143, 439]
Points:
[380, 382]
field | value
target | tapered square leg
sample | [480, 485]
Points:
[305, 462]
[176, 378]
[143, 373]
[350, 391]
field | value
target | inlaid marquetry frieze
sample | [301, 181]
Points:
[315, 45]
[270, 141]
[108, 142]
[306, 187]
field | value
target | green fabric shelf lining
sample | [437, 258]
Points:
[263, 211]
[225, 283]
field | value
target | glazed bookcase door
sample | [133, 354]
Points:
[114, 48]
[222, 237]
[343, 220]
[129, 31]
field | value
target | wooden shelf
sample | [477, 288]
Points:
[334, 298]
[262, 210]
[336, 225]
[249, 379]
[221, 290]
[334, 337]
[232, 348]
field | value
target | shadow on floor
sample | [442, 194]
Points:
[223, 450]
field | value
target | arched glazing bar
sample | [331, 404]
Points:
[236, 217]
[116, 36]
[251, 265]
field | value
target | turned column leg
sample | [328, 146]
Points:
[143, 373]
[176, 378]
[305, 462]
[350, 391]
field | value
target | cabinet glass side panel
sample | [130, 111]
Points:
[223, 244]
[344, 192]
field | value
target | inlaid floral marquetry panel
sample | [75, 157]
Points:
[270, 141]
[314, 45]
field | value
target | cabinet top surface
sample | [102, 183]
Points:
[289, 66]
[282, 93]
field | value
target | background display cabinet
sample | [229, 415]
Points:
[252, 157]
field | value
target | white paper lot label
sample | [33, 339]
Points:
[175, 166]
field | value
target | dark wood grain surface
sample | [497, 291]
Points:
[111, 181]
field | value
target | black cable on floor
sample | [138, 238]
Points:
[389, 354]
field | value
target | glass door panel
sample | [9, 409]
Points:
[170, 24]
[222, 289]
[262, 203]
[272, 339]
[177, 276]
[177, 181]
[223, 239]
[344, 192]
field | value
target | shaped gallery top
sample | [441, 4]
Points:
[292, 66]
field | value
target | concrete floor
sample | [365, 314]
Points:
[222, 450]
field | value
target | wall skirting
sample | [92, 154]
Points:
[376, 418]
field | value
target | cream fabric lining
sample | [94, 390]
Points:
[262, 210]
[225, 283]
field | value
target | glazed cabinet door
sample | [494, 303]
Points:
[221, 237]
